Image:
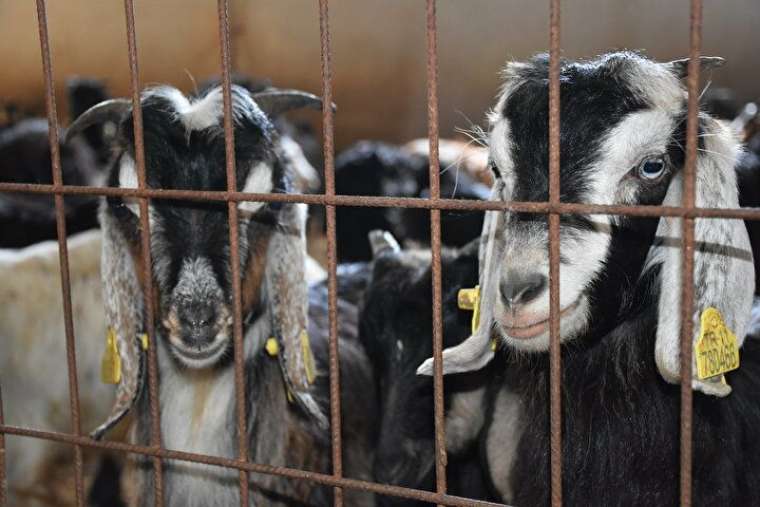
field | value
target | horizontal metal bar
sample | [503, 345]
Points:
[329, 480]
[564, 208]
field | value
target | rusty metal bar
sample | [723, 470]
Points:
[328, 480]
[328, 129]
[137, 121]
[555, 358]
[435, 247]
[232, 216]
[63, 251]
[687, 275]
[562, 208]
[3, 481]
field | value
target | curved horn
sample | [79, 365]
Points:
[681, 67]
[112, 110]
[274, 101]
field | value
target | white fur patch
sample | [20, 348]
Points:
[658, 84]
[128, 179]
[196, 114]
[500, 150]
[639, 135]
[259, 181]
[502, 440]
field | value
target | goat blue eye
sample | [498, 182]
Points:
[652, 168]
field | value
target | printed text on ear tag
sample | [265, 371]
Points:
[717, 350]
[110, 365]
[469, 299]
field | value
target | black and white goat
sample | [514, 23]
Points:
[623, 122]
[184, 149]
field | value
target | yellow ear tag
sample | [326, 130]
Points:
[272, 347]
[717, 350]
[110, 365]
[469, 299]
[144, 341]
[308, 359]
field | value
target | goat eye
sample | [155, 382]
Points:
[651, 168]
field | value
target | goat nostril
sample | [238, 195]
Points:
[521, 288]
[197, 316]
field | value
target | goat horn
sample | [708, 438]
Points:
[275, 101]
[681, 67]
[382, 241]
[108, 110]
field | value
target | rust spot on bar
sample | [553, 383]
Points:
[232, 216]
[687, 275]
[137, 120]
[63, 252]
[555, 358]
[328, 130]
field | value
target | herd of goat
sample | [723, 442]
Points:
[623, 138]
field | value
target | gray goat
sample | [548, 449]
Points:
[286, 389]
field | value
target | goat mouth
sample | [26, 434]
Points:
[195, 353]
[534, 329]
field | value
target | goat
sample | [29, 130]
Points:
[395, 327]
[31, 333]
[25, 158]
[185, 149]
[622, 142]
[376, 168]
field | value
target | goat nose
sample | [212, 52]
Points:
[520, 289]
[197, 319]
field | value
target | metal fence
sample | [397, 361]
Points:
[554, 208]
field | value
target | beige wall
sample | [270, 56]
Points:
[379, 48]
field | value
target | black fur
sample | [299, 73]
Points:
[25, 158]
[375, 168]
[396, 330]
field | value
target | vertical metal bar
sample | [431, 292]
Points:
[232, 216]
[137, 120]
[555, 358]
[3, 484]
[63, 252]
[435, 246]
[328, 129]
[687, 287]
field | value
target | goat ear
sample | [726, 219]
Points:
[476, 351]
[123, 301]
[275, 101]
[287, 296]
[108, 110]
[723, 266]
[681, 67]
[382, 242]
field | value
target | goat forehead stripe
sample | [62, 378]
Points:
[206, 111]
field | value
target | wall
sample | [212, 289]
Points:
[378, 48]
